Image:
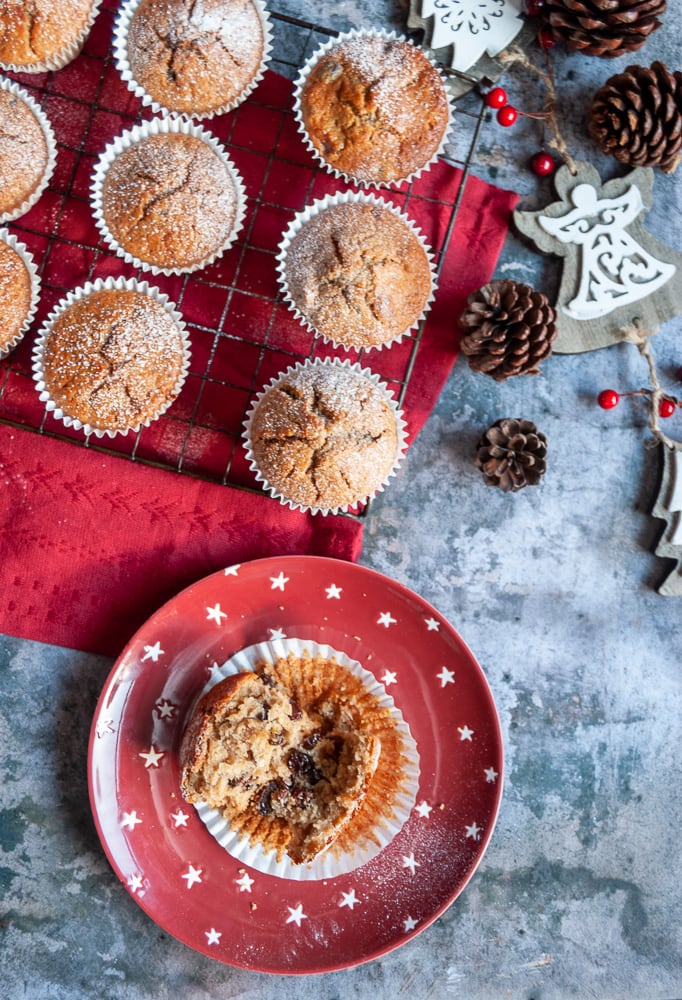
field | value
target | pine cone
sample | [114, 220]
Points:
[606, 28]
[508, 329]
[636, 116]
[512, 454]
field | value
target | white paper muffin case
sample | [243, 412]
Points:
[330, 863]
[401, 429]
[164, 126]
[12, 87]
[303, 75]
[65, 55]
[27, 259]
[120, 48]
[127, 284]
[316, 208]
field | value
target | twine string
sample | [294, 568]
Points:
[634, 334]
[515, 55]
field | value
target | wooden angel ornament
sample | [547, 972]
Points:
[615, 274]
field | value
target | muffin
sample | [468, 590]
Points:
[19, 291]
[44, 34]
[192, 59]
[167, 197]
[27, 151]
[356, 271]
[372, 107]
[285, 770]
[324, 436]
[111, 357]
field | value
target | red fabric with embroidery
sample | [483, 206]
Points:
[90, 543]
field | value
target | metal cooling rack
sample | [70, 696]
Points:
[184, 440]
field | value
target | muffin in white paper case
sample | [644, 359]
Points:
[373, 108]
[356, 271]
[324, 436]
[44, 35]
[167, 198]
[19, 291]
[394, 786]
[29, 151]
[111, 357]
[195, 60]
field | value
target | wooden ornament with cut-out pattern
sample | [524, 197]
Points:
[616, 275]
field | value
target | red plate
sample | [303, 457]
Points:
[179, 874]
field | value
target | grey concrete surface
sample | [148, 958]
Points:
[554, 590]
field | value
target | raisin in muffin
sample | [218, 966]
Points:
[282, 753]
[112, 357]
[167, 197]
[193, 59]
[373, 107]
[44, 34]
[27, 151]
[324, 436]
[355, 270]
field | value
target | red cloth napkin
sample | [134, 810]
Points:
[92, 543]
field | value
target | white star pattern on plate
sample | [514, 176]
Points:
[213, 936]
[232, 570]
[153, 652]
[333, 591]
[465, 733]
[192, 875]
[385, 618]
[296, 915]
[179, 818]
[104, 726]
[473, 831]
[276, 633]
[130, 820]
[491, 774]
[446, 676]
[135, 884]
[245, 882]
[409, 862]
[424, 809]
[432, 625]
[409, 923]
[215, 614]
[165, 709]
[279, 582]
[152, 757]
[349, 899]
[389, 678]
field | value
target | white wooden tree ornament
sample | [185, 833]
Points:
[668, 507]
[467, 35]
[615, 274]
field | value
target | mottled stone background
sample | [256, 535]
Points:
[554, 589]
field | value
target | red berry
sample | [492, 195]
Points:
[496, 98]
[507, 115]
[534, 7]
[542, 164]
[666, 407]
[608, 398]
[546, 38]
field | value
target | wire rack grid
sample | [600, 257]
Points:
[242, 334]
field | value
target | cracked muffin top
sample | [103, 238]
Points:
[15, 296]
[324, 436]
[358, 274]
[196, 58]
[24, 153]
[374, 108]
[43, 31]
[169, 201]
[113, 359]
